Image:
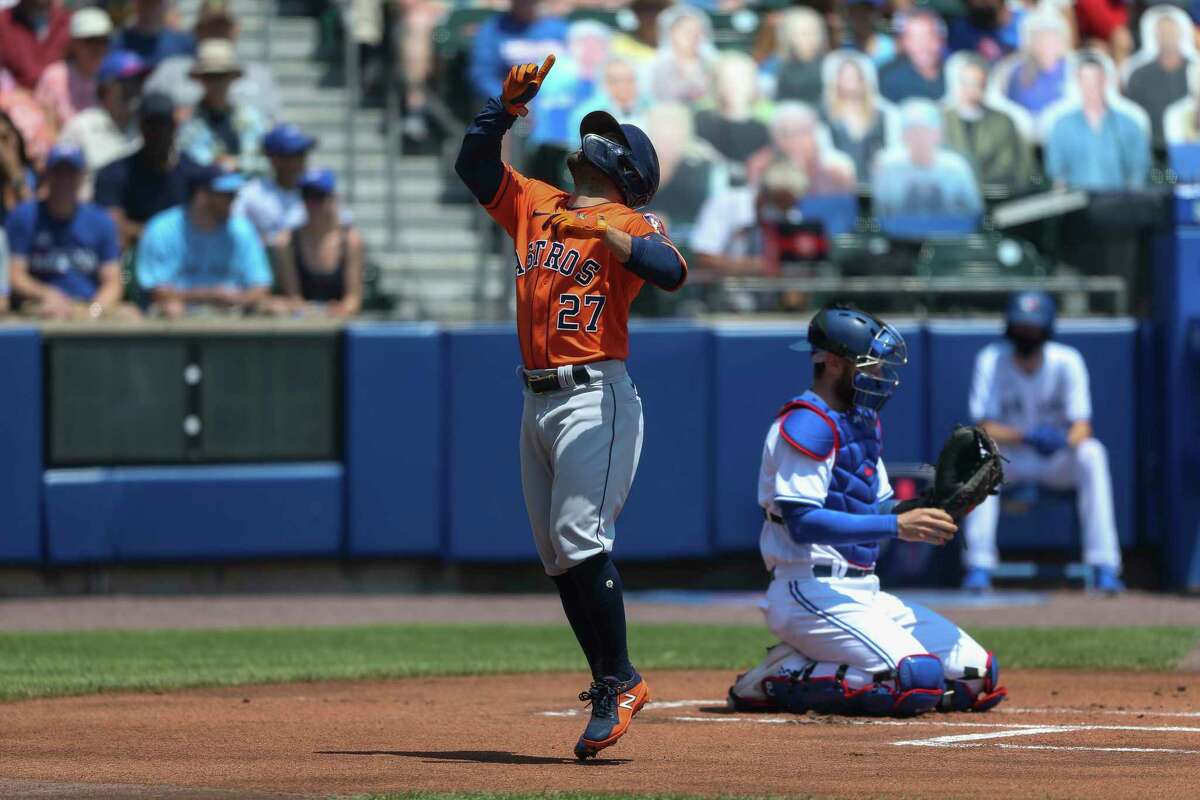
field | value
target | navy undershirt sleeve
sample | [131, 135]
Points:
[655, 261]
[811, 525]
[478, 164]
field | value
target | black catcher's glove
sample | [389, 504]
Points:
[969, 469]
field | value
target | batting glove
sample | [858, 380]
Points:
[522, 83]
[571, 224]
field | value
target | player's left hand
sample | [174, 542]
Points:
[522, 83]
[571, 224]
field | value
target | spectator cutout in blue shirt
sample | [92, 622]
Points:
[518, 36]
[203, 255]
[151, 38]
[1095, 144]
[64, 254]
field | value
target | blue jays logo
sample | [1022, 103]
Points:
[1029, 303]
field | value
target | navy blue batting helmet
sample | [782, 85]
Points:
[622, 152]
[875, 348]
[1031, 308]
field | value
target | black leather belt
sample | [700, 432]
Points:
[540, 384]
[827, 571]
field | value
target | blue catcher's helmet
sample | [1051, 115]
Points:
[875, 348]
[1032, 309]
[622, 152]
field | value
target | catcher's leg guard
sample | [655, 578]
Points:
[915, 687]
[977, 690]
[762, 688]
[920, 683]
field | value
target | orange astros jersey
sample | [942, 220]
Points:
[573, 296]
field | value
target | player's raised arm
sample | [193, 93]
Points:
[478, 164]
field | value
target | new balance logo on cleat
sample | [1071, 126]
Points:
[628, 700]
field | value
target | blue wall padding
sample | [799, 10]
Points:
[393, 440]
[1177, 316]
[193, 513]
[485, 510]
[668, 513]
[1109, 349]
[754, 374]
[20, 445]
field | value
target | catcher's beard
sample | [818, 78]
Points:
[845, 387]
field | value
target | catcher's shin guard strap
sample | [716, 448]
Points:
[918, 687]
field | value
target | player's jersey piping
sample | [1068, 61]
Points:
[798, 596]
[612, 440]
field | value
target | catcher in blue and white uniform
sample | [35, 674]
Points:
[845, 645]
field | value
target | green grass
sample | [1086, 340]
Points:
[49, 664]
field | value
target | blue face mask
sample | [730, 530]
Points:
[876, 374]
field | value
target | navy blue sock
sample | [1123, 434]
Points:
[576, 611]
[601, 593]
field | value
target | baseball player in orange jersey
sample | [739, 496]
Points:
[581, 258]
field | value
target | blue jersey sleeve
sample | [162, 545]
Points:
[478, 164]
[810, 525]
[653, 259]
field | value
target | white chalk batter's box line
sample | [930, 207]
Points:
[1002, 730]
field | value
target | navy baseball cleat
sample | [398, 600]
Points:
[614, 704]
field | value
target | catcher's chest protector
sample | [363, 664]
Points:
[854, 484]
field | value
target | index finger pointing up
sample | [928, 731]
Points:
[546, 65]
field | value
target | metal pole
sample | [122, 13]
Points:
[353, 94]
[265, 29]
[392, 142]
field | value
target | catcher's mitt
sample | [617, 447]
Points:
[968, 470]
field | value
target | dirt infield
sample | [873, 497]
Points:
[1061, 734]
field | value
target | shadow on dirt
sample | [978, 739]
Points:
[474, 756]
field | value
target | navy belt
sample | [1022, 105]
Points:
[540, 384]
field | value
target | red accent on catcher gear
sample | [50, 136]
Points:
[792, 406]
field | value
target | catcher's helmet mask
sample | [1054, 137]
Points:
[623, 153]
[875, 348]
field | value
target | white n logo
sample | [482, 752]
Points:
[628, 701]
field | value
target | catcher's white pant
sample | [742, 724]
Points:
[579, 452]
[1084, 468]
[851, 621]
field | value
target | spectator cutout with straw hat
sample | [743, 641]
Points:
[221, 130]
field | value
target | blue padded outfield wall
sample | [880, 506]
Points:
[20, 445]
[430, 465]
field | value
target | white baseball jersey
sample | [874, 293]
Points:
[787, 474]
[1057, 394]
